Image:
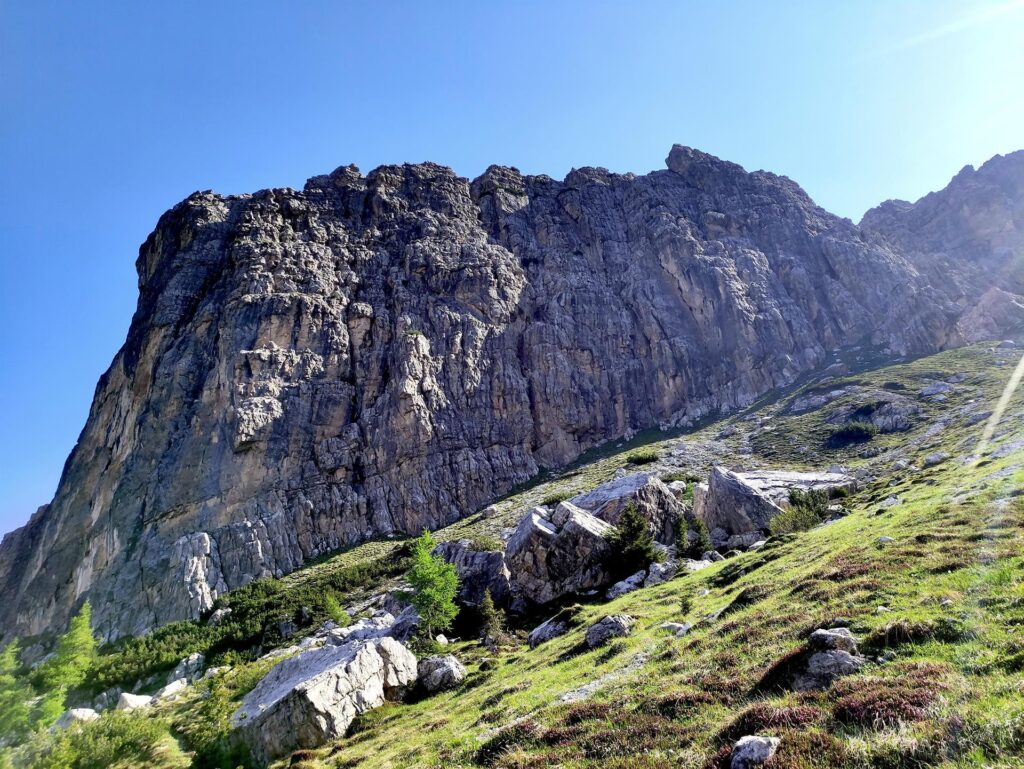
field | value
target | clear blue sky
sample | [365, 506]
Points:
[112, 112]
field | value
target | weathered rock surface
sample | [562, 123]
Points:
[738, 507]
[76, 716]
[607, 629]
[129, 701]
[479, 571]
[441, 672]
[189, 668]
[545, 631]
[753, 751]
[559, 553]
[312, 697]
[382, 353]
[965, 238]
[653, 499]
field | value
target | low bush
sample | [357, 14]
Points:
[642, 457]
[806, 510]
[850, 434]
[518, 735]
[553, 499]
[484, 543]
[118, 738]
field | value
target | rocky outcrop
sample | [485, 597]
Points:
[312, 697]
[738, 507]
[377, 354]
[646, 492]
[479, 571]
[555, 554]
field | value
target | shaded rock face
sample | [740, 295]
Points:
[312, 697]
[383, 353]
[479, 571]
[555, 554]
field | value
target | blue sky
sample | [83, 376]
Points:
[112, 112]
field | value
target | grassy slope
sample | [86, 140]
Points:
[952, 694]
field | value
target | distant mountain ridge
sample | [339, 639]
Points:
[377, 354]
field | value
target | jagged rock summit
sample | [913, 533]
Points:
[377, 354]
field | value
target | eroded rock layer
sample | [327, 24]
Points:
[377, 354]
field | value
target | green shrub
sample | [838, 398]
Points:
[700, 545]
[118, 738]
[553, 499]
[333, 609]
[485, 543]
[642, 457]
[73, 660]
[806, 510]
[851, 433]
[492, 619]
[632, 546]
[15, 693]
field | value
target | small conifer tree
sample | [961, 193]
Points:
[632, 545]
[435, 584]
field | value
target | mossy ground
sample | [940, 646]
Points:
[943, 602]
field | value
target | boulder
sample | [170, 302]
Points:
[935, 389]
[935, 459]
[440, 672]
[678, 629]
[129, 701]
[76, 716]
[479, 571]
[627, 585]
[753, 751]
[660, 572]
[738, 507]
[311, 698]
[189, 668]
[554, 554]
[655, 501]
[730, 506]
[836, 638]
[219, 615]
[604, 630]
[889, 412]
[824, 667]
[550, 628]
[172, 689]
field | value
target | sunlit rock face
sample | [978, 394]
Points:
[377, 354]
[967, 240]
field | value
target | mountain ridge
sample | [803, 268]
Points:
[379, 353]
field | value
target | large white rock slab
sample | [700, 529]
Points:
[311, 698]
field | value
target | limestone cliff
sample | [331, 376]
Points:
[377, 354]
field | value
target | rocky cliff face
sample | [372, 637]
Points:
[377, 354]
[967, 239]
